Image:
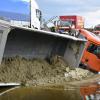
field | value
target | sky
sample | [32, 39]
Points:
[89, 9]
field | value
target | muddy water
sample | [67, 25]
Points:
[89, 90]
[41, 94]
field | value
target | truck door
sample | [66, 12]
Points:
[91, 57]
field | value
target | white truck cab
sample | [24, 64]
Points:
[35, 17]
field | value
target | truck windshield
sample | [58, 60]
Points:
[66, 23]
[93, 49]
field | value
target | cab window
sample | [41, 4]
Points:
[66, 23]
[38, 14]
[93, 49]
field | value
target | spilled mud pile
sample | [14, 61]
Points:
[40, 72]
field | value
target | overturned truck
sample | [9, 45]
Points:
[32, 43]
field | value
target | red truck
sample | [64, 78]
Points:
[91, 55]
[69, 24]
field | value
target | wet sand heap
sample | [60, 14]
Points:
[40, 72]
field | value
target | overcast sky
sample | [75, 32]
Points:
[89, 9]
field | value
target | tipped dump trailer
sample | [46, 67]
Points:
[32, 43]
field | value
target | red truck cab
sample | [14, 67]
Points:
[69, 24]
[77, 21]
[91, 55]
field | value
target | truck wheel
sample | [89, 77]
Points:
[71, 32]
[77, 33]
[81, 65]
[74, 33]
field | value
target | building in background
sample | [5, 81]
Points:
[15, 18]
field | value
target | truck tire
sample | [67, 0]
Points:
[77, 33]
[81, 65]
[74, 33]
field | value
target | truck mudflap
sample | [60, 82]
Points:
[32, 43]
